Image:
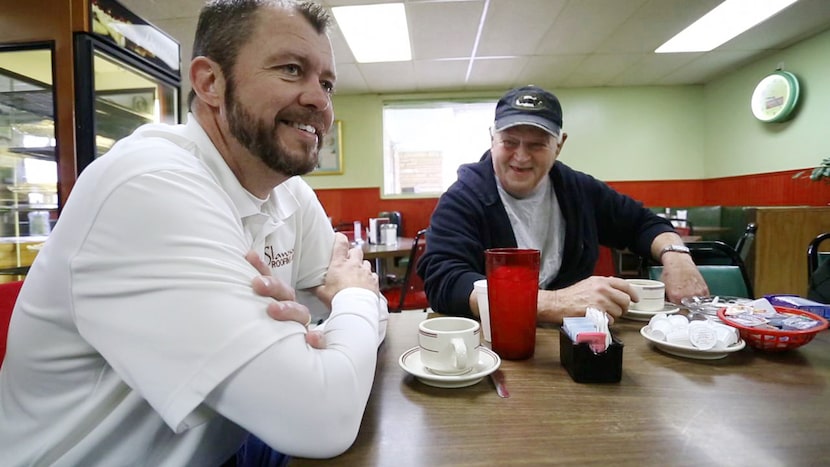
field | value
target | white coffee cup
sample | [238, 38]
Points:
[449, 345]
[652, 294]
[483, 306]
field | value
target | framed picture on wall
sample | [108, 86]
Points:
[330, 160]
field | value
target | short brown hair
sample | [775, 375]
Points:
[226, 25]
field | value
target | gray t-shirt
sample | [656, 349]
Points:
[538, 224]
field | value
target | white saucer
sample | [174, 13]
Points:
[688, 351]
[488, 362]
[638, 315]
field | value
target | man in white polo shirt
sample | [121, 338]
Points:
[137, 338]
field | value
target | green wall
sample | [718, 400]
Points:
[362, 127]
[635, 133]
[738, 144]
[643, 133]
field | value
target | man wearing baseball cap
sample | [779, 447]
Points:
[518, 195]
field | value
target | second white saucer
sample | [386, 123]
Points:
[637, 315]
[488, 362]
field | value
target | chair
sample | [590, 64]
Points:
[814, 257]
[721, 267]
[744, 244]
[682, 226]
[818, 270]
[721, 280]
[410, 294]
[8, 296]
[626, 264]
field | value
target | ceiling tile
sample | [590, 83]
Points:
[350, 80]
[582, 26]
[598, 70]
[654, 23]
[443, 30]
[496, 73]
[389, 77]
[440, 75]
[650, 68]
[550, 71]
[707, 67]
[516, 28]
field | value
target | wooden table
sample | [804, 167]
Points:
[750, 408]
[380, 254]
[382, 251]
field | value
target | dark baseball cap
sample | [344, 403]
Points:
[529, 105]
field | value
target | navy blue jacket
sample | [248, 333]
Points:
[471, 218]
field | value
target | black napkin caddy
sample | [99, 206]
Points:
[585, 366]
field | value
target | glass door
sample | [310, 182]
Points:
[116, 93]
[28, 167]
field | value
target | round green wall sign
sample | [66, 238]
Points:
[775, 97]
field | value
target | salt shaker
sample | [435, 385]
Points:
[389, 234]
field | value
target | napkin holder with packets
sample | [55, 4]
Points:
[588, 350]
[375, 228]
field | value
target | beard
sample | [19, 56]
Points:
[259, 137]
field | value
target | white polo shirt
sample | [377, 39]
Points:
[139, 305]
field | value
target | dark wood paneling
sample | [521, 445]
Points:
[781, 247]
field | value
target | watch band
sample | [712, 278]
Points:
[674, 248]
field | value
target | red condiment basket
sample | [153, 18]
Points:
[776, 340]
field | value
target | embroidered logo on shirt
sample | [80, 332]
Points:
[276, 260]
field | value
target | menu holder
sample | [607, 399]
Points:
[585, 366]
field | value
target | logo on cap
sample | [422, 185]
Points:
[529, 101]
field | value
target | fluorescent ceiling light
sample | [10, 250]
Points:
[726, 21]
[375, 33]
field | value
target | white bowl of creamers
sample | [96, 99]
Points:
[698, 334]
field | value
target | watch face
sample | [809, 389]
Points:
[775, 97]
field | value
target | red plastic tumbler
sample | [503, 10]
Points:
[512, 289]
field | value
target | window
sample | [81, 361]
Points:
[425, 143]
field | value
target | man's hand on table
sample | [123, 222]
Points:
[284, 308]
[610, 294]
[682, 278]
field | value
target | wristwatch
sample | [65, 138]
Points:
[675, 248]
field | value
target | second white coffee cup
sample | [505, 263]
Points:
[652, 294]
[449, 345]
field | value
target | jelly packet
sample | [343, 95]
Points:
[591, 328]
[758, 308]
[748, 319]
[798, 323]
[761, 313]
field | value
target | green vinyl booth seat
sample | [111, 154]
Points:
[724, 280]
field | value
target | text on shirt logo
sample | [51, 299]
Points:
[276, 260]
